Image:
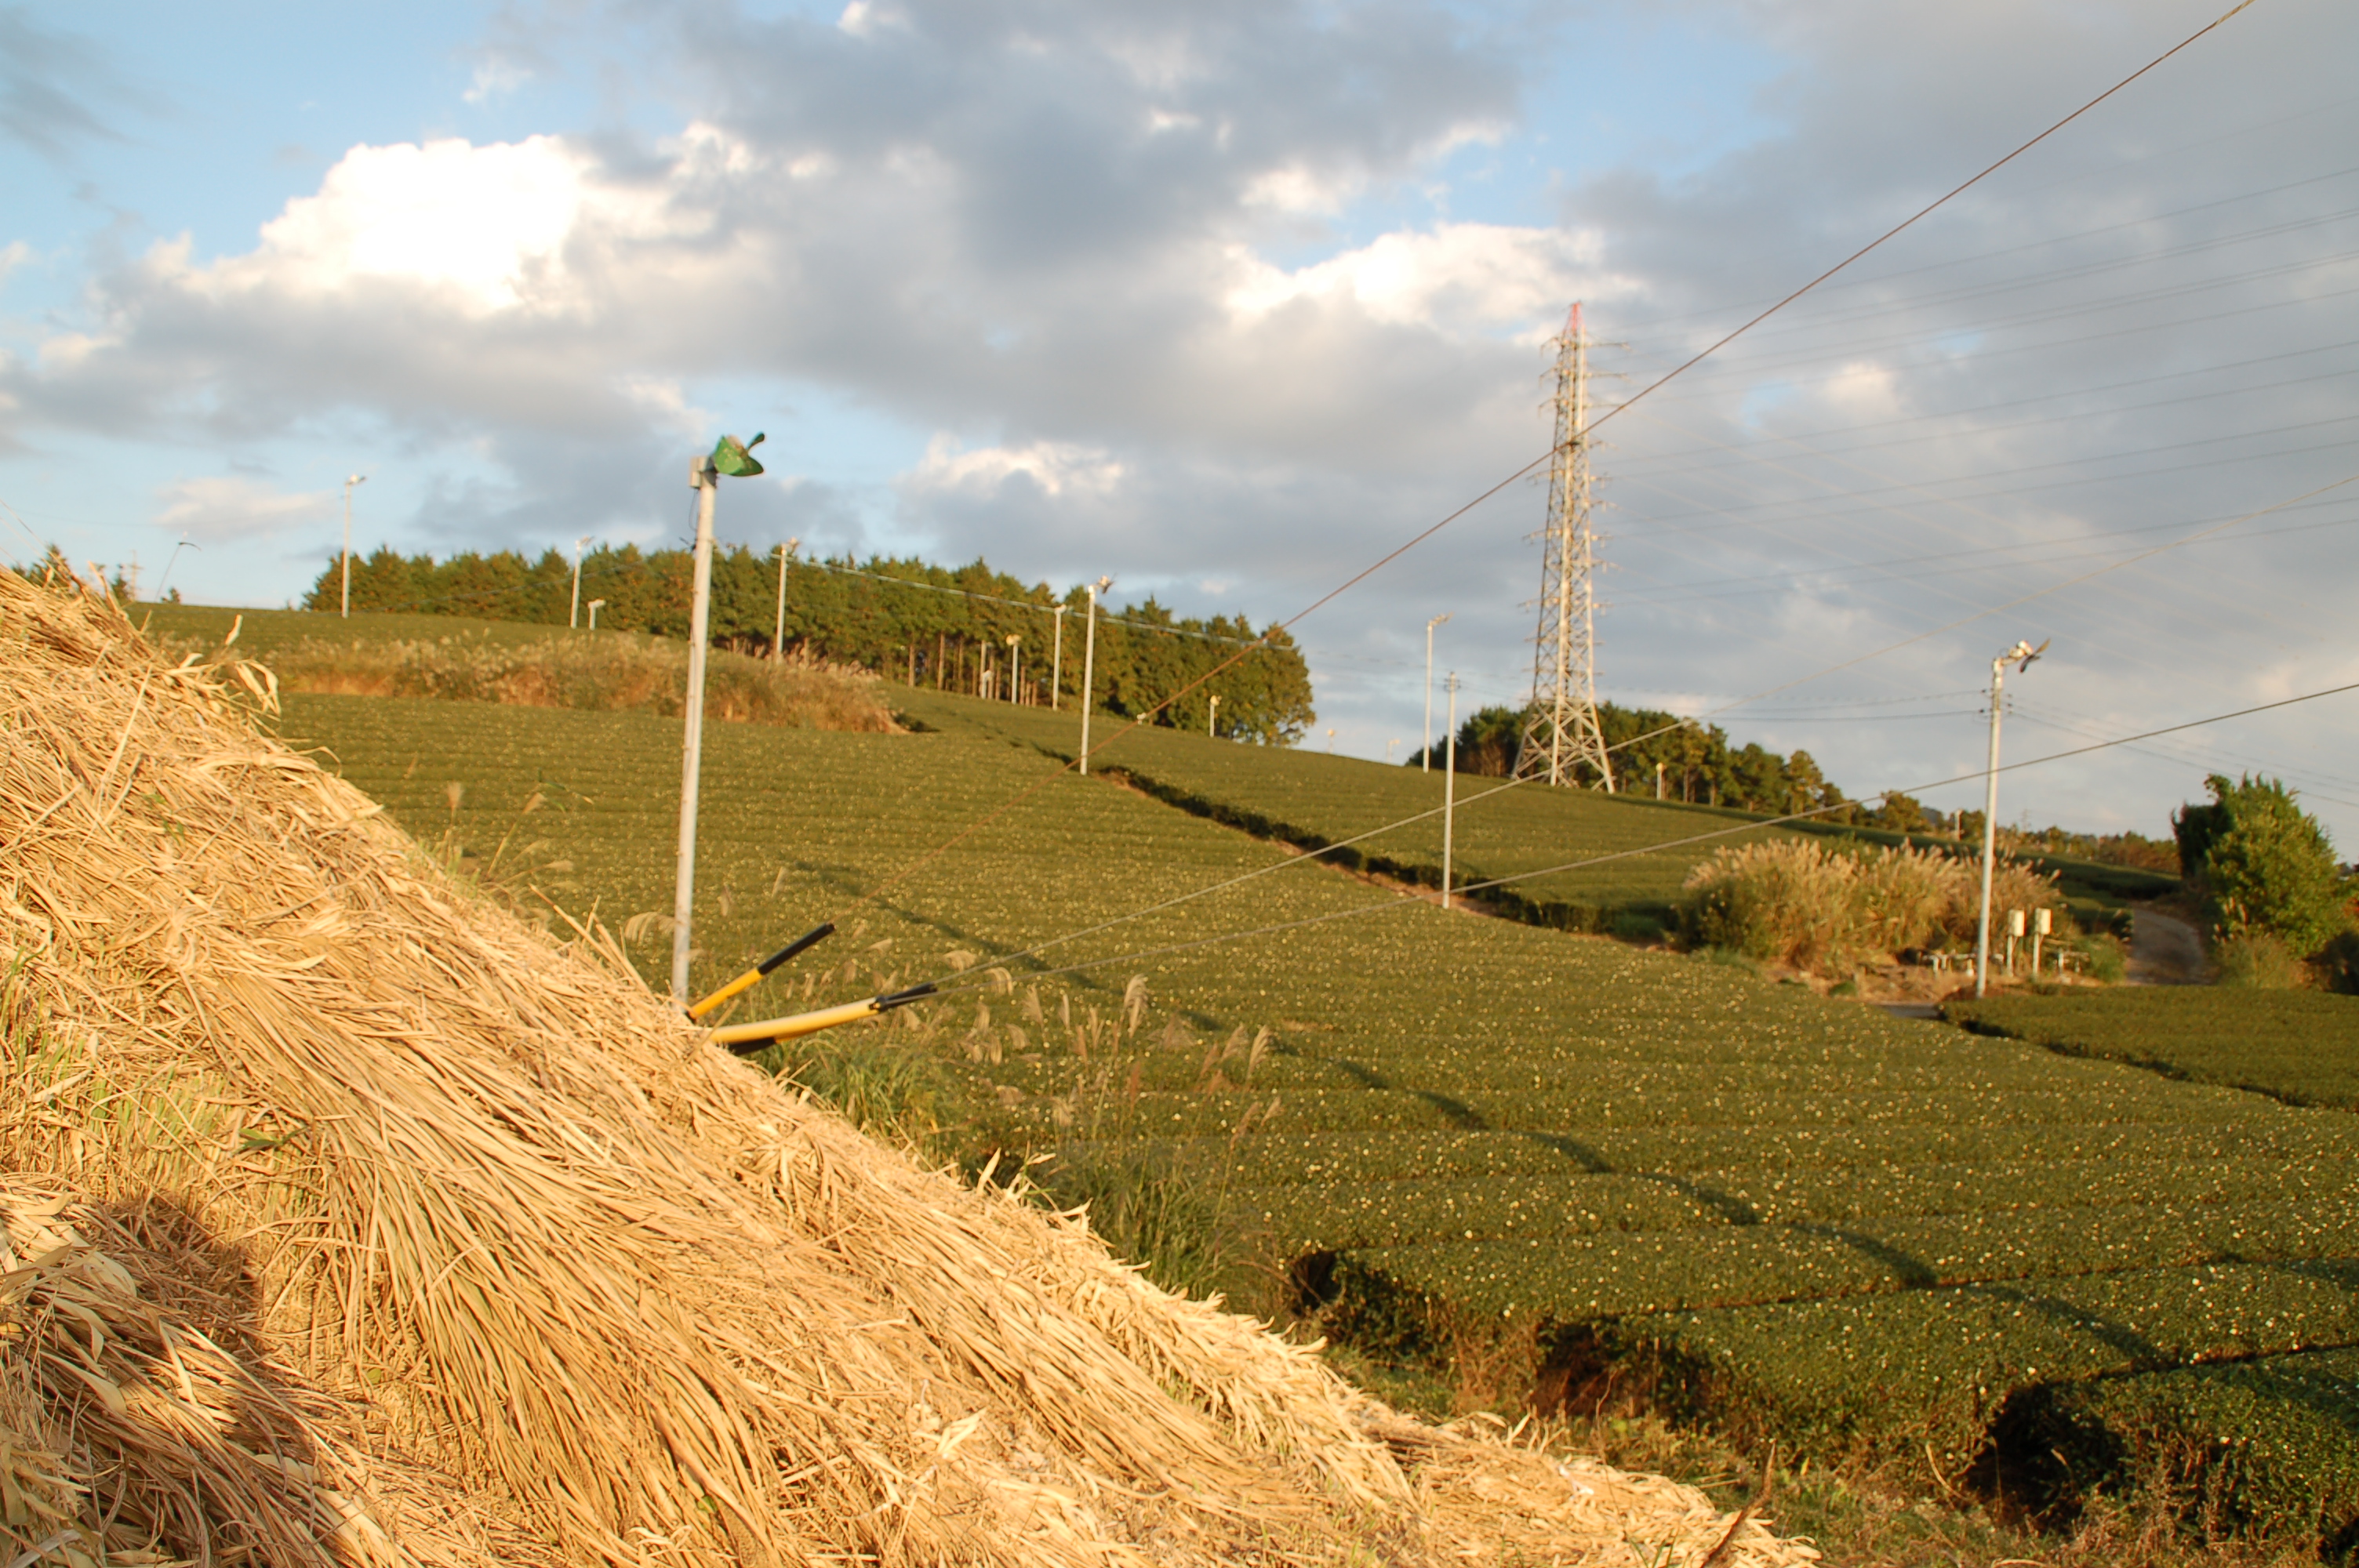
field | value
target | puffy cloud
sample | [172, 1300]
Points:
[226, 507]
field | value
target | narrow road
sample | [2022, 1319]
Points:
[2164, 949]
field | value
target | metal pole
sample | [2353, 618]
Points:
[573, 616]
[778, 636]
[1425, 758]
[706, 481]
[1990, 831]
[356, 479]
[1449, 790]
[1090, 671]
[1057, 664]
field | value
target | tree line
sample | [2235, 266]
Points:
[1700, 764]
[907, 619]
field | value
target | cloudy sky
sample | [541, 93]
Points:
[1228, 298]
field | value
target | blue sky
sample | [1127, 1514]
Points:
[1226, 300]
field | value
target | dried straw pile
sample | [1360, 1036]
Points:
[350, 1219]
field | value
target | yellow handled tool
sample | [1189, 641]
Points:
[745, 1039]
[746, 981]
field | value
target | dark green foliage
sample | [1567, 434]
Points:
[1809, 1218]
[2264, 865]
[2269, 1445]
[907, 619]
[2302, 1047]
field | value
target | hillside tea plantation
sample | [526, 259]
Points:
[2301, 1046]
[1311, 800]
[1795, 1214]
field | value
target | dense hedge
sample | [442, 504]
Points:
[2297, 1046]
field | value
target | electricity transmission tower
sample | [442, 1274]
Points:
[1561, 730]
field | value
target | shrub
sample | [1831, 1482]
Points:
[1797, 902]
[2264, 865]
[2258, 961]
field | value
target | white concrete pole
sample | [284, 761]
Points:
[706, 481]
[1990, 831]
[1090, 670]
[1213, 718]
[778, 636]
[1056, 662]
[573, 616]
[1449, 790]
[356, 479]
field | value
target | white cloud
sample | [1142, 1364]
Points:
[485, 228]
[494, 78]
[1484, 275]
[1057, 469]
[232, 506]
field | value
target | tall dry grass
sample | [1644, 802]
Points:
[1826, 911]
[603, 672]
[503, 1260]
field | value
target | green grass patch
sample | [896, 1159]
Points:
[2302, 1047]
[1462, 1141]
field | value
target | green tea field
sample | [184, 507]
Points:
[1312, 801]
[2300, 1046]
[1451, 1131]
[1641, 849]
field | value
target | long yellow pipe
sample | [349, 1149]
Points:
[796, 1026]
[745, 1038]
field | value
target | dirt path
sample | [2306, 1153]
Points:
[2164, 949]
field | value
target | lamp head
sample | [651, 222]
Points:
[355, 479]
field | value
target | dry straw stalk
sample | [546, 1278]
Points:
[404, 1234]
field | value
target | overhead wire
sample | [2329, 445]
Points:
[975, 826]
[947, 989]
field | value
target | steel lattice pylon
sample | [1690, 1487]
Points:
[1560, 732]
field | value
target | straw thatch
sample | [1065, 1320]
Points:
[349, 1219]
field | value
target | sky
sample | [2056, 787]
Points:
[1228, 299]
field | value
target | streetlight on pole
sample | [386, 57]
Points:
[1425, 760]
[778, 637]
[169, 564]
[1057, 661]
[1090, 668]
[356, 479]
[2024, 651]
[573, 616]
[727, 457]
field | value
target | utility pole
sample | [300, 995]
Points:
[778, 636]
[1213, 718]
[356, 479]
[573, 616]
[704, 477]
[1449, 790]
[2024, 651]
[1562, 732]
[1090, 668]
[1014, 668]
[1425, 758]
[1057, 664]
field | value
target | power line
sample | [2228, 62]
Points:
[1906, 222]
[1403, 901]
[1410, 544]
